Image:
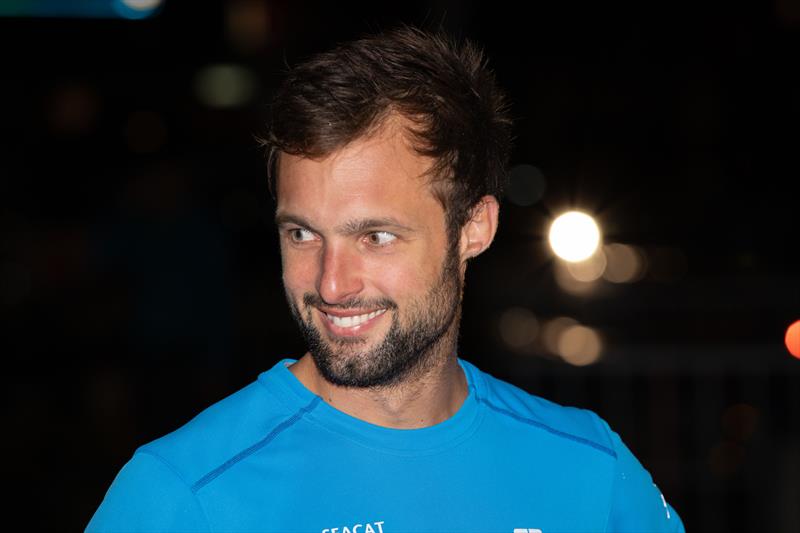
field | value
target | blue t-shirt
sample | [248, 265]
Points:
[274, 457]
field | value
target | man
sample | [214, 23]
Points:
[388, 155]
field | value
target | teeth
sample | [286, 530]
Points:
[353, 321]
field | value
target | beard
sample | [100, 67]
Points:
[408, 348]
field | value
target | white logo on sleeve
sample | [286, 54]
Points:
[525, 530]
[663, 500]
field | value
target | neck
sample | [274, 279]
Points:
[423, 399]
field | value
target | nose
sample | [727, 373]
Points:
[340, 276]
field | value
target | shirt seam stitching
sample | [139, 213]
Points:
[180, 477]
[262, 381]
[247, 452]
[613, 483]
[549, 429]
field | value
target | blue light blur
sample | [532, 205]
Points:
[83, 9]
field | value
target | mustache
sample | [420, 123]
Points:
[313, 299]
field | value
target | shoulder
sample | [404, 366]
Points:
[148, 495]
[157, 489]
[635, 502]
[571, 423]
[220, 432]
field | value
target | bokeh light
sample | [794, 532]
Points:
[526, 185]
[574, 236]
[579, 345]
[626, 264]
[518, 328]
[136, 9]
[142, 5]
[590, 269]
[792, 339]
[73, 108]
[552, 330]
[225, 86]
[129, 9]
[568, 283]
[247, 24]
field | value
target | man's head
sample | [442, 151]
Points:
[455, 112]
[389, 154]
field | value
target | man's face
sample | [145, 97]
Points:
[368, 270]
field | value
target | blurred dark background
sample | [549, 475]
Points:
[139, 273]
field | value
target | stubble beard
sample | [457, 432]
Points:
[407, 350]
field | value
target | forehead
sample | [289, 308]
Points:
[378, 175]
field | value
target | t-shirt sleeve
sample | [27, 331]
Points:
[148, 495]
[637, 505]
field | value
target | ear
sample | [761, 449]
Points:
[478, 233]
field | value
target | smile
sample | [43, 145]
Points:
[353, 321]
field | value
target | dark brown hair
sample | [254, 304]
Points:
[441, 85]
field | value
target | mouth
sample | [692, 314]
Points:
[351, 324]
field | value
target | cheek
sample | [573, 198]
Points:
[299, 273]
[400, 277]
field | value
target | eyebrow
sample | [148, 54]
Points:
[353, 227]
[350, 227]
[281, 219]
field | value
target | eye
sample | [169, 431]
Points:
[300, 235]
[380, 238]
